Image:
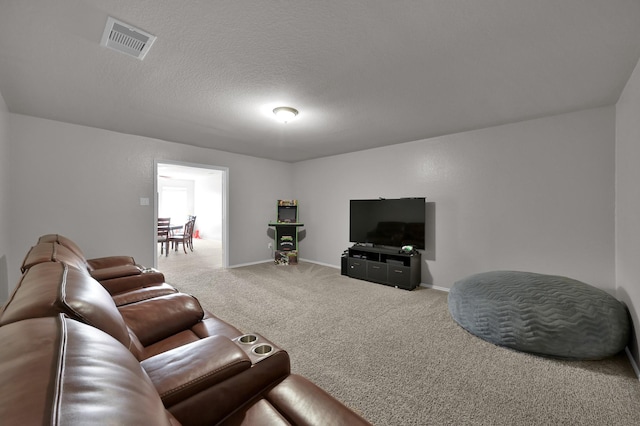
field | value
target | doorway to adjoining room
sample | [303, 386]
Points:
[186, 192]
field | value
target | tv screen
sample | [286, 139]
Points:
[287, 214]
[388, 222]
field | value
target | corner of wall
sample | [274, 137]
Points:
[4, 280]
[627, 203]
[4, 190]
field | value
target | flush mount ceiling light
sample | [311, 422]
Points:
[285, 114]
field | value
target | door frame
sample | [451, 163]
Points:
[225, 205]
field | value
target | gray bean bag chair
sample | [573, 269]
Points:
[541, 314]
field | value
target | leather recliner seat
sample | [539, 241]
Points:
[58, 371]
[73, 350]
[126, 281]
[146, 327]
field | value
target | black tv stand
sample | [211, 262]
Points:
[383, 265]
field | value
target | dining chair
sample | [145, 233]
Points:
[183, 237]
[163, 234]
[193, 219]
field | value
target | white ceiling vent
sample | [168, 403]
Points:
[126, 39]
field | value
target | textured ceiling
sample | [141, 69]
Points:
[363, 73]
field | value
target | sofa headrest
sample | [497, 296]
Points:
[39, 253]
[52, 252]
[59, 371]
[64, 241]
[91, 264]
[48, 289]
[155, 319]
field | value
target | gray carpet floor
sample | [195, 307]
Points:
[397, 357]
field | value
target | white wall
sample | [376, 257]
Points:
[628, 202]
[535, 196]
[208, 205]
[86, 183]
[5, 251]
[188, 185]
[204, 200]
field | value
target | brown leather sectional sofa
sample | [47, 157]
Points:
[105, 341]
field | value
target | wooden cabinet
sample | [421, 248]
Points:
[357, 268]
[384, 266]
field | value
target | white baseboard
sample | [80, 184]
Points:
[240, 265]
[431, 286]
[633, 362]
[435, 287]
[320, 263]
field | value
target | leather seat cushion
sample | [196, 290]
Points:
[155, 319]
[67, 372]
[48, 289]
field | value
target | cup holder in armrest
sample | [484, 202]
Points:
[247, 339]
[262, 349]
[256, 346]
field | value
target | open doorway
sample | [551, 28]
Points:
[184, 190]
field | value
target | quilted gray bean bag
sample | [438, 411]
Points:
[541, 314]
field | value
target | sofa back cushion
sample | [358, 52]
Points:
[64, 241]
[59, 371]
[155, 319]
[91, 264]
[52, 252]
[39, 253]
[48, 289]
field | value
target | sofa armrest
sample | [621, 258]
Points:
[302, 402]
[185, 371]
[115, 272]
[109, 261]
[143, 293]
[267, 369]
[154, 319]
[132, 282]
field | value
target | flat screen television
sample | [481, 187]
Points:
[388, 222]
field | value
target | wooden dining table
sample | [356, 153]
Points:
[170, 227]
[169, 230]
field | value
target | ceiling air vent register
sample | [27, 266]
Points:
[126, 39]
